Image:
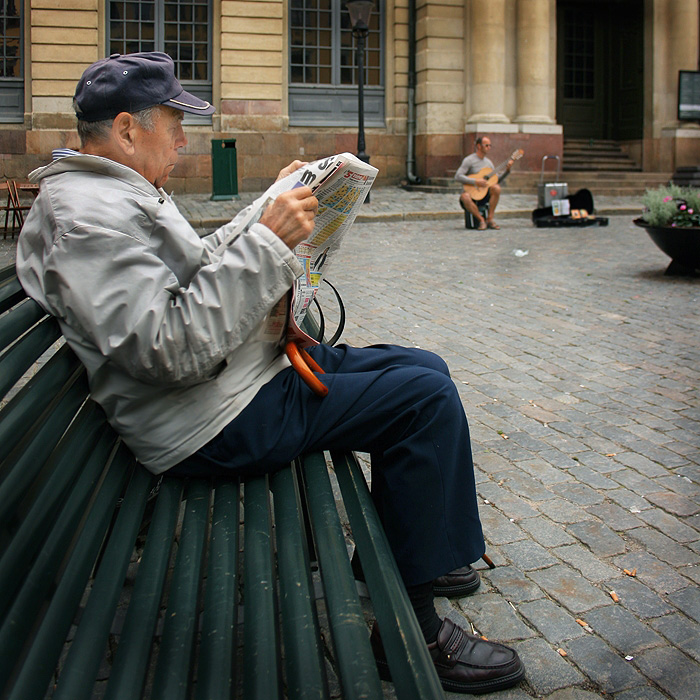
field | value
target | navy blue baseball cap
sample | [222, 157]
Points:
[132, 82]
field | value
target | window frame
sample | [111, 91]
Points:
[12, 89]
[334, 104]
[200, 88]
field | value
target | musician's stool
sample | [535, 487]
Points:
[472, 222]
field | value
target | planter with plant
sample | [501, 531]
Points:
[671, 217]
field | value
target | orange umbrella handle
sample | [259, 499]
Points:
[305, 366]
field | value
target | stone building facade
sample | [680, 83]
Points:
[528, 73]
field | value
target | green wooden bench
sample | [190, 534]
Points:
[170, 588]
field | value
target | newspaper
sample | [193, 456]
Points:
[341, 184]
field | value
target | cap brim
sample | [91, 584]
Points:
[186, 102]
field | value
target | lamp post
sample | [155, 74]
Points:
[360, 12]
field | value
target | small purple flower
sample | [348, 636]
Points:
[667, 199]
[673, 223]
[690, 211]
[682, 207]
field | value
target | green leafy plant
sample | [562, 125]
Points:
[672, 206]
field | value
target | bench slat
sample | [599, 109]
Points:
[261, 670]
[22, 355]
[38, 666]
[33, 399]
[357, 671]
[87, 648]
[216, 669]
[73, 446]
[10, 289]
[412, 669]
[174, 666]
[19, 321]
[303, 654]
[40, 579]
[128, 673]
[52, 518]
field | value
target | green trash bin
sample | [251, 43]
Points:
[224, 169]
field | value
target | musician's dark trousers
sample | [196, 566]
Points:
[398, 404]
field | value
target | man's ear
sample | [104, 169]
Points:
[123, 132]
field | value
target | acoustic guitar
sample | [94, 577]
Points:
[491, 177]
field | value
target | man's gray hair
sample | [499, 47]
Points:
[99, 131]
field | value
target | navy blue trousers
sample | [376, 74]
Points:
[400, 405]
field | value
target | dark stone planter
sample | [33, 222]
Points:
[682, 245]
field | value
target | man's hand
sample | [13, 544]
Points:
[509, 164]
[480, 182]
[292, 167]
[291, 215]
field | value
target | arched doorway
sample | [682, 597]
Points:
[600, 68]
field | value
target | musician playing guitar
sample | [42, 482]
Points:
[481, 181]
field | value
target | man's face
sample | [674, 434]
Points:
[484, 147]
[157, 150]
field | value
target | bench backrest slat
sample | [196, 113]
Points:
[37, 395]
[410, 663]
[42, 659]
[354, 657]
[261, 666]
[87, 647]
[174, 666]
[36, 463]
[11, 290]
[128, 674]
[46, 505]
[215, 667]
[17, 359]
[303, 652]
[19, 321]
[40, 579]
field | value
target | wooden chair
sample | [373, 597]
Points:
[16, 207]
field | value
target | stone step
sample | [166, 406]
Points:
[612, 183]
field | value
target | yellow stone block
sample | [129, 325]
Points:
[65, 5]
[61, 18]
[235, 74]
[251, 58]
[64, 54]
[239, 8]
[63, 35]
[53, 87]
[246, 42]
[57, 71]
[251, 25]
[250, 91]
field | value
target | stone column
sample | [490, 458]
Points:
[680, 141]
[487, 53]
[533, 62]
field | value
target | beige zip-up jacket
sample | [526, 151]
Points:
[168, 330]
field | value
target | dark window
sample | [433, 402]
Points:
[579, 55]
[323, 68]
[11, 62]
[180, 28]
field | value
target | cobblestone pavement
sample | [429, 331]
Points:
[578, 364]
[577, 361]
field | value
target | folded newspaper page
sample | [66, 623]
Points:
[341, 184]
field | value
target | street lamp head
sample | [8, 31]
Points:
[360, 12]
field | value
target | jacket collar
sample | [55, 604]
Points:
[83, 162]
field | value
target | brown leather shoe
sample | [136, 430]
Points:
[458, 583]
[464, 663]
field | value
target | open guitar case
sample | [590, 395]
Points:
[543, 217]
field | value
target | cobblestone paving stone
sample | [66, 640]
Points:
[577, 361]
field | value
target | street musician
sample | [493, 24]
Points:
[481, 181]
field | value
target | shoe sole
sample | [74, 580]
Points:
[489, 686]
[462, 589]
